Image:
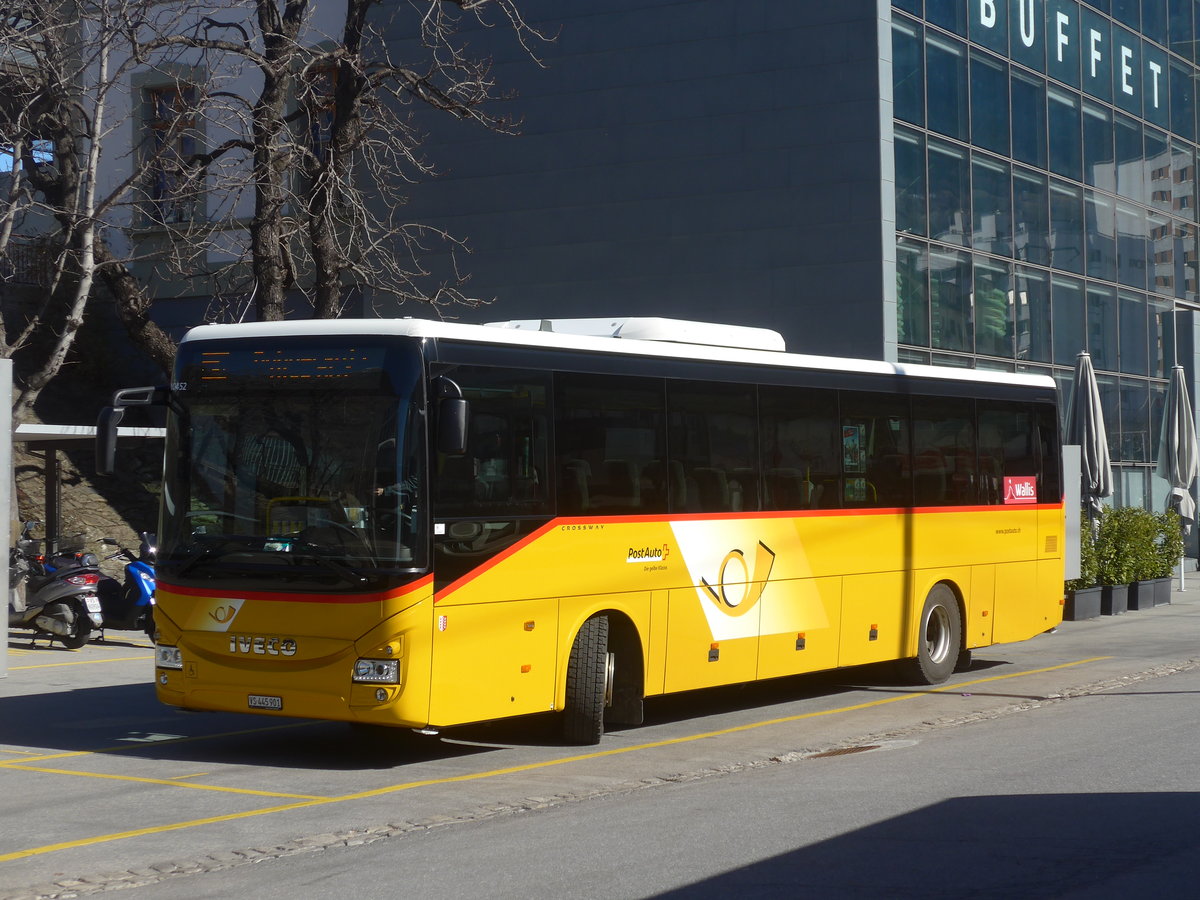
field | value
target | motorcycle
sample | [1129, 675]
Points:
[56, 599]
[129, 606]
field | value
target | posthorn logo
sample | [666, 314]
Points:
[648, 554]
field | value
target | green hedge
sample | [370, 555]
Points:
[1131, 544]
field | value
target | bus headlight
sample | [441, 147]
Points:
[167, 657]
[377, 671]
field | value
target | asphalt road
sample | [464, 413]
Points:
[1050, 759]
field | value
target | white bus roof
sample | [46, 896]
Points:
[679, 342]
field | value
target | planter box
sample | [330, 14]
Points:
[1114, 599]
[1162, 590]
[1141, 595]
[1082, 604]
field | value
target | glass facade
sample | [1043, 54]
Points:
[1046, 158]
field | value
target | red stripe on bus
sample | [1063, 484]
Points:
[279, 597]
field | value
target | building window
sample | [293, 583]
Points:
[42, 153]
[171, 144]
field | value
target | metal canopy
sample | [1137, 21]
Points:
[52, 438]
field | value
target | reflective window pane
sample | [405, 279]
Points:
[1185, 265]
[1031, 217]
[1183, 180]
[993, 308]
[950, 300]
[1062, 41]
[1161, 274]
[1136, 438]
[1157, 167]
[1179, 28]
[1133, 245]
[912, 292]
[1154, 20]
[1155, 96]
[946, 85]
[1131, 180]
[1127, 70]
[908, 72]
[949, 193]
[1027, 38]
[1066, 153]
[989, 103]
[1066, 227]
[949, 14]
[1127, 11]
[1183, 109]
[1100, 216]
[1162, 337]
[1102, 326]
[1134, 356]
[1066, 296]
[1110, 404]
[1098, 167]
[910, 181]
[990, 30]
[1097, 51]
[912, 6]
[991, 222]
[1029, 112]
[1033, 326]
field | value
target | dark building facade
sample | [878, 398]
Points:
[983, 183]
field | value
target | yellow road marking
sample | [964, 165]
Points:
[80, 662]
[172, 782]
[527, 767]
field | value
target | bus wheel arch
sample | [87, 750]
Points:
[939, 637]
[627, 687]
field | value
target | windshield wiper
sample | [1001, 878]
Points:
[333, 563]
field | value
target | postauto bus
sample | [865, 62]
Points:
[422, 524]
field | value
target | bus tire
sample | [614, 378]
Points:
[939, 638]
[587, 683]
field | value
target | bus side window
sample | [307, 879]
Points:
[610, 442]
[876, 450]
[713, 442]
[800, 448]
[1008, 446]
[943, 451]
[503, 472]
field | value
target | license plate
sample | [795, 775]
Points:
[93, 604]
[260, 701]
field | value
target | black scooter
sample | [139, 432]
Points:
[55, 599]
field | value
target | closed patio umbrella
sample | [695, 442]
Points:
[1085, 427]
[1179, 453]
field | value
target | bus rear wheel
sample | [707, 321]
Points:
[589, 679]
[939, 638]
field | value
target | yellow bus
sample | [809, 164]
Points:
[423, 524]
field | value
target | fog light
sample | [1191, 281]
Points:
[166, 657]
[377, 671]
[380, 694]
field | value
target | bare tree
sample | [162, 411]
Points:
[275, 141]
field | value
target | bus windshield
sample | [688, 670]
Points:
[294, 467]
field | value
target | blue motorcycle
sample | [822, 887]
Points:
[129, 606]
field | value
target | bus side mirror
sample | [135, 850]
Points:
[111, 416]
[106, 439]
[452, 426]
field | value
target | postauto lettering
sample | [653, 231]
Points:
[1099, 52]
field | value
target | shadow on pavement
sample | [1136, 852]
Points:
[1054, 845]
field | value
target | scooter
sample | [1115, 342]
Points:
[58, 602]
[129, 606]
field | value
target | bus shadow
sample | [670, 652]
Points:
[1029, 846]
[128, 720]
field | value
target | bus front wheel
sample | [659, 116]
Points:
[939, 638]
[589, 677]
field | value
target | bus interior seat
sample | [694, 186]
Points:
[573, 486]
[930, 477]
[621, 487]
[712, 486]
